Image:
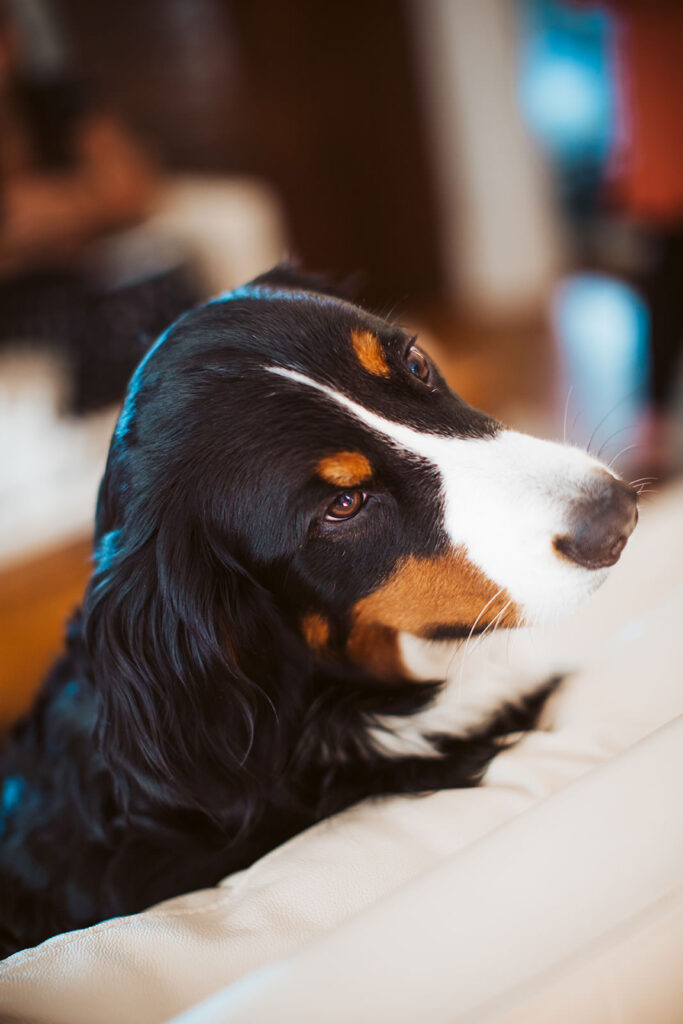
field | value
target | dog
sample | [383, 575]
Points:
[293, 502]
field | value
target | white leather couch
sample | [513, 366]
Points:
[551, 894]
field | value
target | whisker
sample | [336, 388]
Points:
[474, 624]
[611, 438]
[627, 448]
[469, 636]
[495, 622]
[566, 410]
[499, 617]
[607, 416]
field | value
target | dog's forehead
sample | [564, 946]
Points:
[307, 330]
[325, 348]
[315, 375]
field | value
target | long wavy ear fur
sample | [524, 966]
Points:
[183, 715]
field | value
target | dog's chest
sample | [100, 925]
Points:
[482, 676]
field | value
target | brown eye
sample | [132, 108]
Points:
[345, 506]
[417, 363]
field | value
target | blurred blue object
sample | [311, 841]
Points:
[602, 326]
[567, 92]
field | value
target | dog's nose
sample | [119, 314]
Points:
[600, 524]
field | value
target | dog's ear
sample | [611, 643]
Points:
[288, 275]
[184, 649]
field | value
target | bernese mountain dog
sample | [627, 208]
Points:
[293, 500]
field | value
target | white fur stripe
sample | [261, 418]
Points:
[402, 435]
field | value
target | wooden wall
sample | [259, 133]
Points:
[36, 598]
[321, 99]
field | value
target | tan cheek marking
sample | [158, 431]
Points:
[369, 353]
[375, 647]
[426, 592]
[345, 469]
[316, 632]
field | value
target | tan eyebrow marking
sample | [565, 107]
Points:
[344, 469]
[369, 352]
[316, 631]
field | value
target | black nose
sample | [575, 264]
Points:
[600, 524]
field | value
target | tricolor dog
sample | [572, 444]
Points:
[294, 501]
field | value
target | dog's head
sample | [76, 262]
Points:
[291, 478]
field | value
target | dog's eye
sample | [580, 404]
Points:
[417, 363]
[345, 506]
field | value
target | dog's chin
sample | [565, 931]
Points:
[561, 597]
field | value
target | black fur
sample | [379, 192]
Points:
[189, 728]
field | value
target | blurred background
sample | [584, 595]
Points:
[504, 175]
